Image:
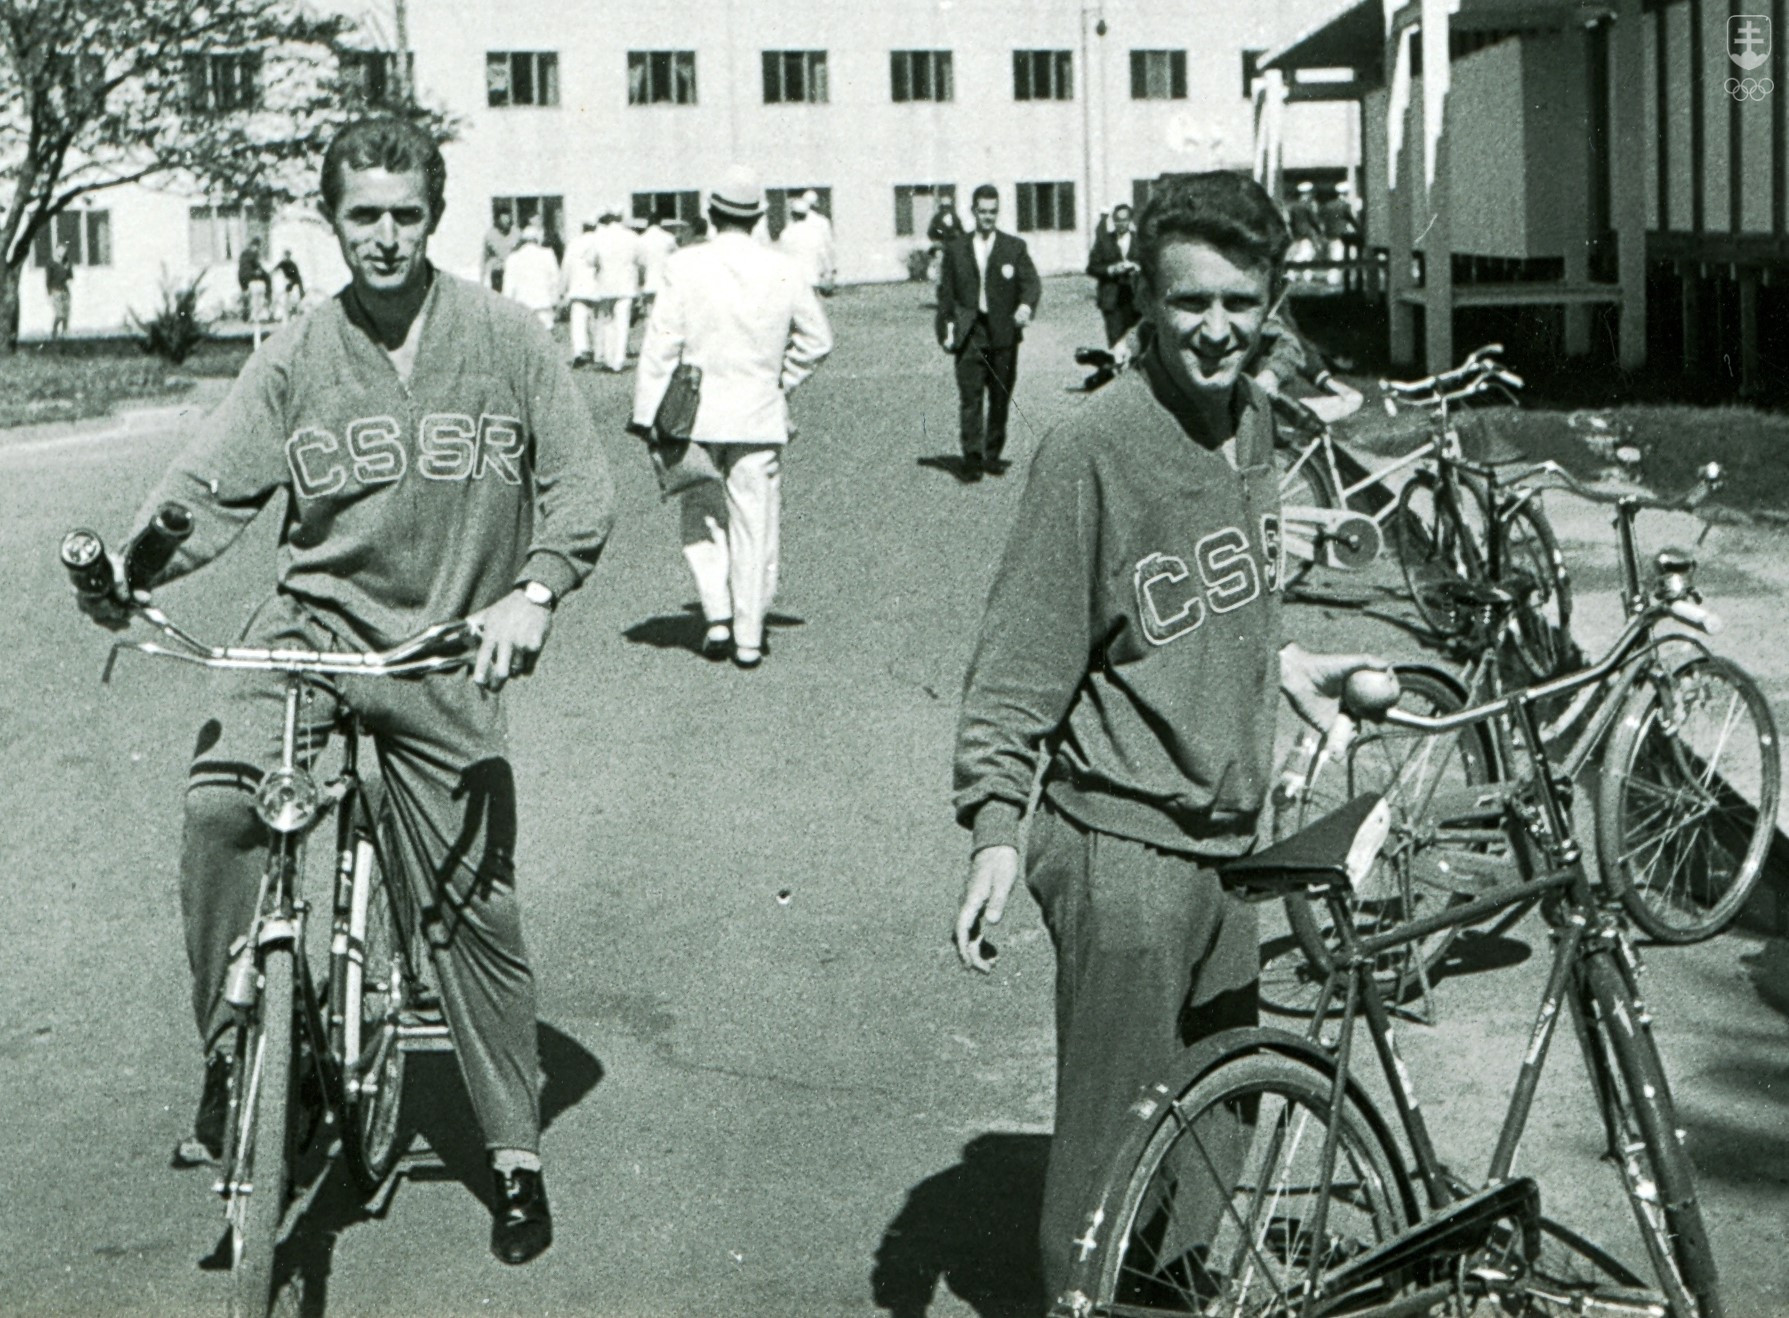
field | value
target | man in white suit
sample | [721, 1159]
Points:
[617, 281]
[807, 240]
[580, 291]
[748, 318]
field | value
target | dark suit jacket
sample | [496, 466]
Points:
[1012, 279]
[1104, 255]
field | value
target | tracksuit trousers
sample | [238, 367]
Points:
[1152, 956]
[731, 531]
[442, 748]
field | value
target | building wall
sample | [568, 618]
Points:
[594, 148]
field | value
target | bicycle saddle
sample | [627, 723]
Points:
[1333, 853]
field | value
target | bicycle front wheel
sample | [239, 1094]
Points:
[1687, 806]
[1214, 1207]
[376, 992]
[258, 1147]
[1534, 571]
[1436, 544]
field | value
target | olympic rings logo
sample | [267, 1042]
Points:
[1749, 89]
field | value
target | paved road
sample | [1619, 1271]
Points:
[770, 1090]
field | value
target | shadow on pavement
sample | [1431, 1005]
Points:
[437, 1110]
[684, 631]
[973, 1227]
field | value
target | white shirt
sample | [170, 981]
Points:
[984, 248]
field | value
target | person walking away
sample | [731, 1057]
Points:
[58, 280]
[500, 240]
[254, 283]
[1113, 265]
[580, 292]
[435, 460]
[807, 241]
[748, 319]
[291, 297]
[988, 290]
[1132, 640]
[531, 274]
[655, 248]
[617, 281]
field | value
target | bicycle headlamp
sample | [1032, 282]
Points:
[1676, 569]
[287, 800]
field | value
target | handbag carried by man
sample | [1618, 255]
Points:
[678, 462]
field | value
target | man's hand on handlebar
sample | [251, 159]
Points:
[511, 633]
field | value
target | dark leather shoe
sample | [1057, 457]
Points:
[206, 1144]
[521, 1222]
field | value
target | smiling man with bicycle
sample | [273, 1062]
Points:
[1133, 630]
[438, 462]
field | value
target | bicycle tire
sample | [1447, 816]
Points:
[1646, 1146]
[1414, 867]
[1309, 486]
[1687, 805]
[260, 1145]
[373, 1081]
[1431, 537]
[1130, 1262]
[1534, 569]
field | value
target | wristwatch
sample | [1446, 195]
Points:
[535, 593]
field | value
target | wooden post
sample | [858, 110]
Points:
[1627, 176]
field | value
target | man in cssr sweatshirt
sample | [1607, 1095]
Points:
[1132, 641]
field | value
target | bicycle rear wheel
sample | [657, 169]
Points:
[258, 1148]
[1687, 806]
[1446, 837]
[1437, 541]
[1211, 1206]
[376, 993]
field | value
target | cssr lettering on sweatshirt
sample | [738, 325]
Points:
[1174, 598]
[371, 451]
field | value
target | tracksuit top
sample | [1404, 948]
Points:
[1133, 630]
[410, 504]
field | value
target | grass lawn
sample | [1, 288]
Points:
[79, 378]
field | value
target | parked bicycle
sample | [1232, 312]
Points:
[1685, 805]
[304, 1055]
[1262, 1178]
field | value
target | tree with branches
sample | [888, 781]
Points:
[225, 97]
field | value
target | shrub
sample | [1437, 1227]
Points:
[178, 326]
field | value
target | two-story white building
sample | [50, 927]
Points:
[1067, 106]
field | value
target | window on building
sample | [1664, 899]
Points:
[1043, 75]
[1158, 75]
[663, 206]
[1044, 206]
[523, 211]
[371, 76]
[792, 76]
[661, 77]
[521, 77]
[921, 75]
[915, 204]
[776, 204]
[217, 234]
[218, 84]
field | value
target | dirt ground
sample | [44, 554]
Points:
[770, 1089]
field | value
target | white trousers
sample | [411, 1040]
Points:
[609, 329]
[582, 315]
[730, 538]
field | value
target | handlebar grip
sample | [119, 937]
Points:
[155, 544]
[89, 567]
[1370, 692]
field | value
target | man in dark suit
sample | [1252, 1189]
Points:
[987, 293]
[1113, 263]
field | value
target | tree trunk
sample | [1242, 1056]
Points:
[9, 308]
